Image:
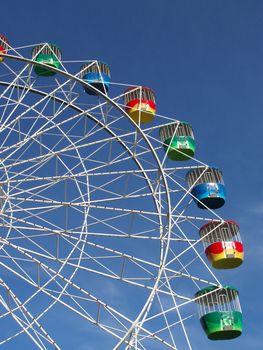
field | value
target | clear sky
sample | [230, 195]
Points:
[204, 59]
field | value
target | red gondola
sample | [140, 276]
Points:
[222, 243]
[140, 104]
[4, 44]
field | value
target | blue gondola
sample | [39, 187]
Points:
[208, 187]
[96, 74]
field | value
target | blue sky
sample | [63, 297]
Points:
[204, 59]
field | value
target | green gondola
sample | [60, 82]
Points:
[178, 140]
[49, 54]
[220, 312]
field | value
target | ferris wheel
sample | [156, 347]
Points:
[108, 221]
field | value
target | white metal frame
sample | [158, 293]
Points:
[154, 180]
